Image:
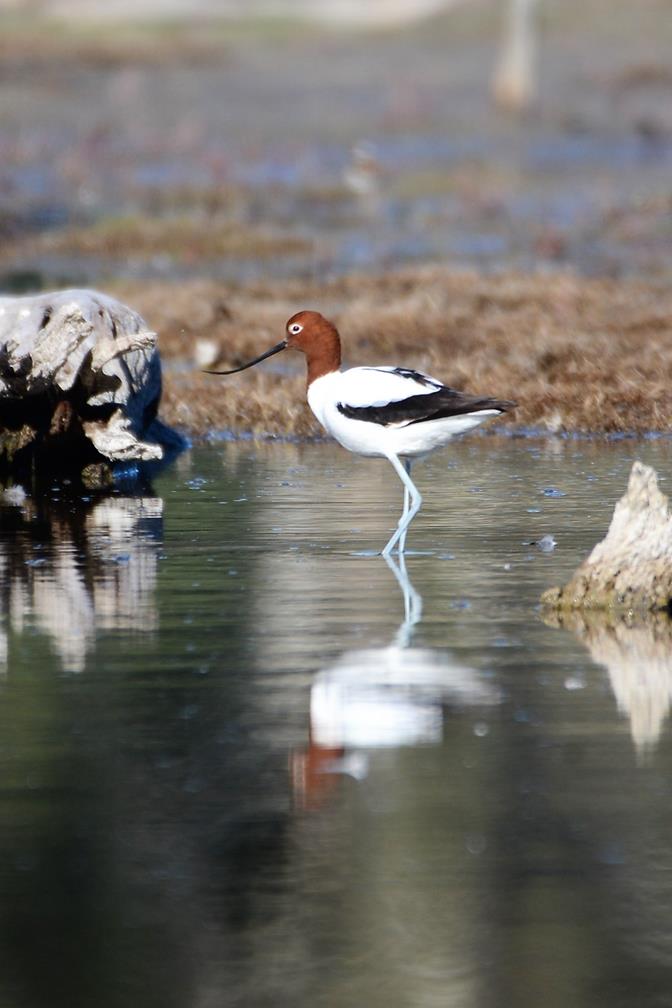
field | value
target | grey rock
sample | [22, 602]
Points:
[81, 365]
[631, 569]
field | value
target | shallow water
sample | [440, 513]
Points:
[244, 762]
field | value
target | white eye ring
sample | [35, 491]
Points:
[295, 329]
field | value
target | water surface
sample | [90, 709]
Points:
[245, 762]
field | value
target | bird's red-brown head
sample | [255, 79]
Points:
[318, 338]
[313, 335]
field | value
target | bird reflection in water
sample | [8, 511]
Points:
[382, 697]
[72, 571]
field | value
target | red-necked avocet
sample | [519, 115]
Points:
[385, 412]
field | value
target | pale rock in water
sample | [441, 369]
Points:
[78, 370]
[13, 496]
[631, 569]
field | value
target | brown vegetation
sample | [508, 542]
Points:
[31, 40]
[578, 355]
[182, 238]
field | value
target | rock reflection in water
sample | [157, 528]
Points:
[381, 697]
[637, 654]
[73, 570]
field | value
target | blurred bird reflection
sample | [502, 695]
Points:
[381, 697]
[73, 571]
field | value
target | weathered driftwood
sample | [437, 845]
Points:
[631, 569]
[80, 378]
[637, 654]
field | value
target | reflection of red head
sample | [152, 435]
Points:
[312, 778]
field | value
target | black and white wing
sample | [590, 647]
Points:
[400, 397]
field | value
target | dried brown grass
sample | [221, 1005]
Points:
[183, 238]
[577, 355]
[33, 39]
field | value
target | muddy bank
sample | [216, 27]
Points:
[578, 355]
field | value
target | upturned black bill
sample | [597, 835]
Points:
[269, 353]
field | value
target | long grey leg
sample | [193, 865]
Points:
[407, 500]
[414, 505]
[412, 601]
[407, 496]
